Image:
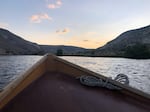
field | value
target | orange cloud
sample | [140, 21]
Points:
[57, 4]
[85, 40]
[52, 6]
[39, 17]
[65, 30]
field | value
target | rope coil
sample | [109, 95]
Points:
[94, 81]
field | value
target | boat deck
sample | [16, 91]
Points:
[57, 92]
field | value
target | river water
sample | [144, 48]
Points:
[11, 67]
[138, 71]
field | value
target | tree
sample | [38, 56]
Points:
[138, 51]
[59, 52]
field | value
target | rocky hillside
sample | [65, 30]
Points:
[133, 43]
[13, 44]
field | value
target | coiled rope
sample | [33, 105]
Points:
[94, 81]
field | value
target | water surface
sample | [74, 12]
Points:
[12, 67]
[138, 71]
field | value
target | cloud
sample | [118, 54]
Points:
[59, 3]
[4, 25]
[65, 30]
[85, 40]
[52, 6]
[55, 5]
[57, 31]
[37, 18]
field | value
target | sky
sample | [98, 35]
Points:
[83, 23]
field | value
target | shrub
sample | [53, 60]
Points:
[138, 51]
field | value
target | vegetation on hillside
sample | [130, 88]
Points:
[138, 51]
[59, 52]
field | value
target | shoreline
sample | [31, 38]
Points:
[75, 56]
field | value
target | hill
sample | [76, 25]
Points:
[132, 44]
[13, 44]
[66, 50]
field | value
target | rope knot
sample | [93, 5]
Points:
[94, 81]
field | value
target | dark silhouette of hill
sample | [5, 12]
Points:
[13, 44]
[133, 44]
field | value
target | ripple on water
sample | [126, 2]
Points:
[12, 66]
[137, 70]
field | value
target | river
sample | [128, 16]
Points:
[138, 71]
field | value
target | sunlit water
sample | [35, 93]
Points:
[138, 71]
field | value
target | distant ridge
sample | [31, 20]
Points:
[11, 44]
[67, 50]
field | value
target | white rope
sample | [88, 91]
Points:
[94, 81]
